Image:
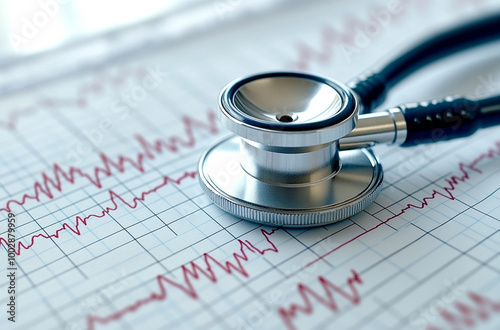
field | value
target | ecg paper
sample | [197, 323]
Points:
[114, 231]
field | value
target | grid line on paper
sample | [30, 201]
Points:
[109, 235]
[418, 284]
[222, 245]
[102, 240]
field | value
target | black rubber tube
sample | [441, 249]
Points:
[490, 111]
[447, 119]
[373, 88]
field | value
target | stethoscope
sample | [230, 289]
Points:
[301, 152]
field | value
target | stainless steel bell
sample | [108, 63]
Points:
[284, 166]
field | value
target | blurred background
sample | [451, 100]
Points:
[101, 49]
[91, 32]
[33, 26]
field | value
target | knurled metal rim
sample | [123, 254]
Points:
[276, 218]
[299, 217]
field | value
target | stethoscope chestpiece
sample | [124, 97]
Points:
[283, 166]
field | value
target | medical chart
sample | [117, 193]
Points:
[104, 224]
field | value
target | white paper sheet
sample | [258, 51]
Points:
[114, 231]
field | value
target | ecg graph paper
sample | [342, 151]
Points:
[114, 231]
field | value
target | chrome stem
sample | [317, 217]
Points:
[388, 127]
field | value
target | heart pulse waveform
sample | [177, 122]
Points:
[346, 39]
[148, 151]
[96, 87]
[115, 199]
[357, 33]
[467, 316]
[305, 292]
[308, 308]
[306, 56]
[190, 272]
[446, 192]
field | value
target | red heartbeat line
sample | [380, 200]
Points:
[330, 37]
[468, 317]
[353, 26]
[54, 182]
[445, 192]
[114, 198]
[329, 288]
[81, 100]
[148, 152]
[305, 292]
[191, 271]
